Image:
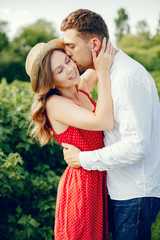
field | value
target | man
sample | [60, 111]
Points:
[131, 154]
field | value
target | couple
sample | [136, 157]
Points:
[130, 154]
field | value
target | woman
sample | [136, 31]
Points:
[62, 107]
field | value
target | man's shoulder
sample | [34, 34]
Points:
[124, 65]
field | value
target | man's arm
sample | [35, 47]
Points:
[132, 105]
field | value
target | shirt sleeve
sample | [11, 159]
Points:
[132, 109]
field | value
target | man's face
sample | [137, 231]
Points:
[78, 49]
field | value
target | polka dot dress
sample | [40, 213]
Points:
[81, 206]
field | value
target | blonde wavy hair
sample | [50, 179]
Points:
[40, 128]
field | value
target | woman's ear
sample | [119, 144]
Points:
[96, 44]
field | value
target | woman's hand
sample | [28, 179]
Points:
[104, 60]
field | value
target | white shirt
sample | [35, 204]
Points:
[131, 154]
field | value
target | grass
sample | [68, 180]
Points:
[156, 229]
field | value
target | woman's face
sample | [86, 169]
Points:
[64, 70]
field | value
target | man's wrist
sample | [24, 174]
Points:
[82, 159]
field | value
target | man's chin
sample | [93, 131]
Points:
[82, 69]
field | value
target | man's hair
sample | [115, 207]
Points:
[87, 23]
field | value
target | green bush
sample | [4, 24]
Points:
[156, 229]
[147, 52]
[29, 174]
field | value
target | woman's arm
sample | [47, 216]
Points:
[88, 80]
[102, 64]
[65, 111]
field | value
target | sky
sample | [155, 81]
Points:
[20, 13]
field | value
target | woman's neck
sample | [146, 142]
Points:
[70, 93]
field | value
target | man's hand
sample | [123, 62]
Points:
[71, 155]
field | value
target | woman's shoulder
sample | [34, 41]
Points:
[54, 106]
[55, 101]
[52, 100]
[83, 85]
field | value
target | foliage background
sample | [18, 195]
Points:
[29, 174]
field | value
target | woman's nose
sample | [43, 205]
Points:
[69, 69]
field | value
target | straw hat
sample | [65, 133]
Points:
[36, 55]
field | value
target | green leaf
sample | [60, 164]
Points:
[19, 210]
[29, 230]
[12, 219]
[34, 223]
[23, 220]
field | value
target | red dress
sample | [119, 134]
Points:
[81, 207]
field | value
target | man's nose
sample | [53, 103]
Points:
[68, 52]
